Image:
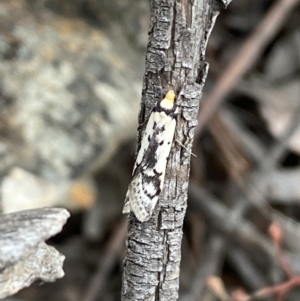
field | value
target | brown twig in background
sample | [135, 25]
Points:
[245, 58]
[229, 221]
[232, 155]
[234, 221]
[249, 271]
[276, 235]
[255, 189]
[280, 290]
[293, 281]
[106, 261]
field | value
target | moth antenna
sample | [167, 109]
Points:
[185, 148]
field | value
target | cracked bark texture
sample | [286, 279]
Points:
[24, 255]
[178, 36]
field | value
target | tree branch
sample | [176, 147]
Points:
[178, 36]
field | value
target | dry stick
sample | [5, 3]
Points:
[281, 289]
[251, 274]
[231, 153]
[251, 145]
[240, 231]
[284, 186]
[245, 58]
[229, 221]
[106, 262]
[178, 36]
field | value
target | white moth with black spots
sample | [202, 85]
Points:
[149, 169]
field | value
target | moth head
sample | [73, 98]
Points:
[169, 101]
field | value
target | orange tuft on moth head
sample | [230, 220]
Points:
[169, 100]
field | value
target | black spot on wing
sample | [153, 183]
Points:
[158, 174]
[149, 159]
[151, 196]
[154, 182]
[148, 163]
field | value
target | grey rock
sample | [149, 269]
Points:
[68, 95]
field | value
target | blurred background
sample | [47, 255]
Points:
[70, 87]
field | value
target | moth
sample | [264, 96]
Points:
[149, 169]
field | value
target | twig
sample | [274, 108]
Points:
[153, 248]
[283, 186]
[229, 222]
[250, 274]
[255, 187]
[281, 289]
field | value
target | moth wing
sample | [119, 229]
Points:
[165, 144]
[126, 207]
[147, 184]
[145, 141]
[144, 198]
[149, 170]
[144, 146]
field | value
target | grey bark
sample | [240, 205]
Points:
[24, 255]
[178, 36]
